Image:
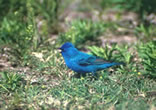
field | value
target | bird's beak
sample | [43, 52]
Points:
[59, 49]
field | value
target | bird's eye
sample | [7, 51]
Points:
[63, 50]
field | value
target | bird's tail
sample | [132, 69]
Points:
[107, 65]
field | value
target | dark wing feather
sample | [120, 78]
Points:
[92, 60]
[100, 61]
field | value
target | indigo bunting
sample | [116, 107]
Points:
[81, 62]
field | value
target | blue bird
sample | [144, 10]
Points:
[81, 62]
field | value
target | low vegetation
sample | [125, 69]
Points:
[33, 74]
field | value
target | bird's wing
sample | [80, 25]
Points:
[91, 60]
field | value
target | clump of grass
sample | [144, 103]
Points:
[146, 33]
[81, 31]
[10, 82]
[49, 12]
[147, 53]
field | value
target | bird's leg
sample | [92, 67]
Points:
[77, 75]
[94, 76]
[82, 74]
[94, 73]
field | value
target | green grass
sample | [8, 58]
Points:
[117, 90]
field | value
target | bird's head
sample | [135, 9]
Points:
[68, 50]
[66, 46]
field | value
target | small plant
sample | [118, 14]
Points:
[10, 81]
[145, 32]
[114, 53]
[125, 54]
[81, 31]
[147, 53]
[106, 53]
[48, 10]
